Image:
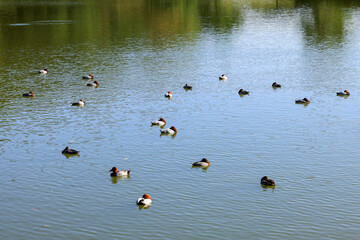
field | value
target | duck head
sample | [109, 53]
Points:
[170, 92]
[96, 82]
[306, 100]
[264, 178]
[346, 91]
[205, 160]
[114, 169]
[163, 120]
[146, 196]
[91, 75]
[82, 101]
[274, 83]
[173, 128]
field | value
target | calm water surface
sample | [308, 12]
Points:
[138, 50]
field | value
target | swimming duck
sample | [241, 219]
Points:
[93, 84]
[90, 76]
[168, 94]
[276, 85]
[203, 163]
[344, 93]
[187, 87]
[67, 150]
[144, 200]
[223, 77]
[267, 181]
[303, 101]
[170, 131]
[243, 92]
[30, 94]
[116, 173]
[45, 71]
[79, 103]
[161, 122]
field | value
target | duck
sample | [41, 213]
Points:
[161, 122]
[30, 94]
[67, 150]
[170, 131]
[187, 87]
[90, 76]
[303, 101]
[168, 94]
[267, 181]
[344, 93]
[203, 163]
[144, 200]
[223, 77]
[276, 85]
[93, 84]
[116, 173]
[79, 103]
[243, 92]
[45, 71]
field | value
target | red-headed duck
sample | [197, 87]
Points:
[168, 94]
[45, 71]
[116, 173]
[161, 122]
[67, 150]
[267, 181]
[144, 200]
[344, 93]
[203, 163]
[169, 131]
[79, 103]
[303, 101]
[90, 76]
[93, 84]
[30, 94]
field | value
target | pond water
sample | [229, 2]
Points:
[138, 50]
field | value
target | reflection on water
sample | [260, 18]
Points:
[320, 20]
[138, 50]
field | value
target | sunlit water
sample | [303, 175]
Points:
[139, 50]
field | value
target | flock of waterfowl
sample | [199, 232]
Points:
[204, 163]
